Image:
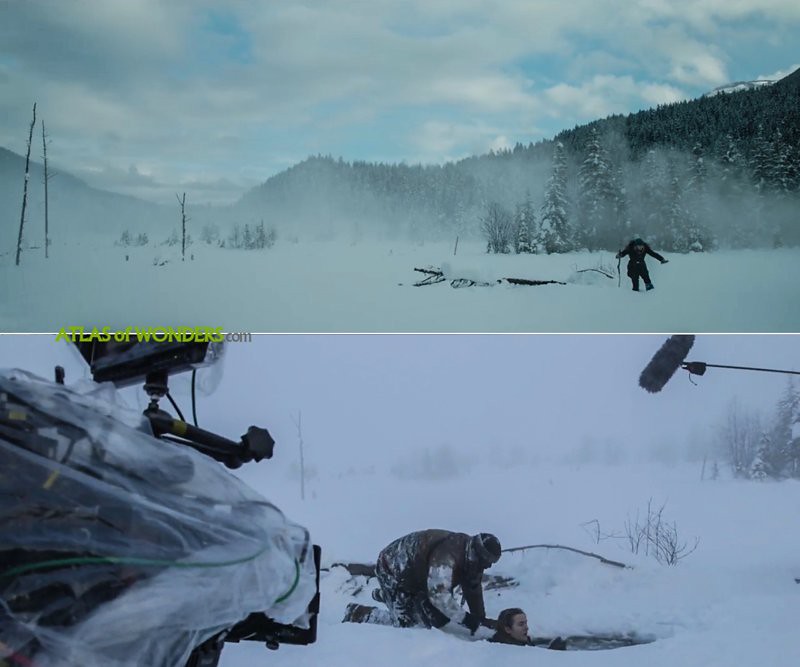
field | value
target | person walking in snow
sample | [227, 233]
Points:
[419, 572]
[636, 251]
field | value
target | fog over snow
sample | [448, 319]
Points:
[212, 98]
[368, 287]
[539, 439]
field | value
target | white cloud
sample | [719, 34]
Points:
[603, 95]
[780, 74]
[659, 93]
[437, 141]
[699, 69]
[137, 85]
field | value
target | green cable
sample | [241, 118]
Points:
[294, 584]
[147, 562]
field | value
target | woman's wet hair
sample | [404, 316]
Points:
[506, 617]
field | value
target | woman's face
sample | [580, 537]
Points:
[519, 627]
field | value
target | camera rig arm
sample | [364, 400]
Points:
[254, 445]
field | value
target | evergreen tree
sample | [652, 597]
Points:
[260, 237]
[732, 167]
[781, 165]
[759, 468]
[786, 453]
[247, 239]
[793, 450]
[762, 162]
[525, 223]
[553, 234]
[598, 198]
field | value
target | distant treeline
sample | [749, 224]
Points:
[717, 171]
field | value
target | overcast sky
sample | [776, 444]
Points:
[157, 96]
[380, 399]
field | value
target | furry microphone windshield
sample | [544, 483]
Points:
[665, 362]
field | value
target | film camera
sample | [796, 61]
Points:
[122, 539]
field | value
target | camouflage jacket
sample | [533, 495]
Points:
[433, 563]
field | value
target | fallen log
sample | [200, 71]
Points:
[435, 275]
[525, 281]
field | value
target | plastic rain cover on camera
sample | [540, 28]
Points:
[117, 548]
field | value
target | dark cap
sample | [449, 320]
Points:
[486, 549]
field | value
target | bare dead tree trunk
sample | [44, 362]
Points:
[25, 188]
[455, 249]
[298, 424]
[46, 210]
[182, 202]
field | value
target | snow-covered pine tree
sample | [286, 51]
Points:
[554, 234]
[247, 239]
[732, 165]
[762, 162]
[525, 225]
[597, 200]
[785, 456]
[781, 165]
[260, 237]
[793, 450]
[760, 468]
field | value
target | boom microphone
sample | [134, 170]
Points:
[665, 362]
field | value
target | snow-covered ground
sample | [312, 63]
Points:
[367, 287]
[540, 440]
[733, 601]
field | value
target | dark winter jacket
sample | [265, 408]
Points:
[430, 564]
[636, 251]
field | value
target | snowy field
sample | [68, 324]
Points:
[538, 439]
[731, 602]
[367, 287]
